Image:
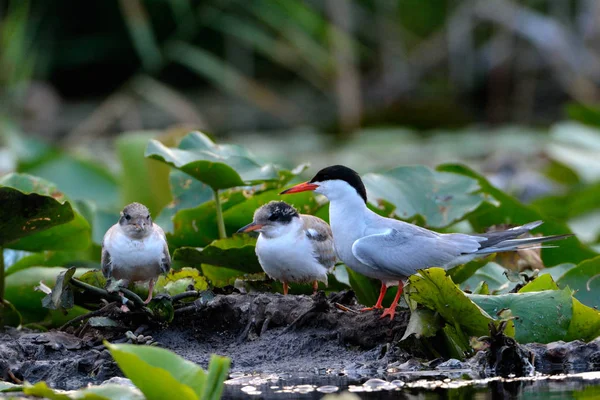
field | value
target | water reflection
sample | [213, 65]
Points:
[271, 386]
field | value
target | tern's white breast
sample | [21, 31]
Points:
[290, 258]
[135, 259]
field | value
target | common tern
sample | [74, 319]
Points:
[391, 250]
[292, 247]
[135, 248]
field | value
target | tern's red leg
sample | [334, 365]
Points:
[150, 289]
[391, 311]
[315, 286]
[285, 288]
[379, 300]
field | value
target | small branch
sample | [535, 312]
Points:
[184, 295]
[87, 316]
[220, 221]
[110, 296]
[2, 277]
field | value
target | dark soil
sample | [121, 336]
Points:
[266, 333]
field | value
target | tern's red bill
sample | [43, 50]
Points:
[302, 187]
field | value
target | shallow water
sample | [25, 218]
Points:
[414, 386]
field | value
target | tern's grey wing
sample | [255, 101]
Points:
[321, 238]
[105, 259]
[402, 253]
[165, 262]
[106, 263]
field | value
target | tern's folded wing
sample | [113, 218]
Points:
[403, 253]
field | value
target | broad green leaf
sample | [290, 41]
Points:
[40, 389]
[218, 370]
[197, 226]
[159, 373]
[108, 392]
[74, 235]
[576, 145]
[493, 275]
[511, 211]
[423, 323]
[79, 179]
[237, 252]
[20, 292]
[30, 205]
[461, 273]
[187, 192]
[436, 291]
[440, 198]
[100, 220]
[50, 259]
[457, 344]
[176, 282]
[143, 180]
[222, 276]
[541, 317]
[9, 387]
[218, 166]
[585, 324]
[558, 271]
[585, 280]
[541, 283]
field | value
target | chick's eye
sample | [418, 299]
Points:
[127, 217]
[148, 217]
[273, 217]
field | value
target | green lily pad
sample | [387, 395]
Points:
[541, 317]
[423, 323]
[511, 211]
[218, 166]
[187, 193]
[30, 205]
[20, 292]
[176, 282]
[237, 252]
[49, 259]
[493, 275]
[74, 235]
[541, 283]
[162, 374]
[585, 279]
[585, 324]
[142, 180]
[79, 179]
[433, 289]
[440, 198]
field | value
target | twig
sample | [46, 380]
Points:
[86, 316]
[184, 295]
[344, 308]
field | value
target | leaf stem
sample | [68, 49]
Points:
[220, 220]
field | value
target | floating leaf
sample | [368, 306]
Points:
[541, 317]
[161, 374]
[176, 282]
[493, 275]
[440, 198]
[218, 166]
[423, 322]
[237, 252]
[49, 259]
[40, 389]
[585, 324]
[29, 205]
[511, 211]
[585, 279]
[436, 291]
[542, 282]
[187, 192]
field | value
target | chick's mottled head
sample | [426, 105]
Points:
[136, 220]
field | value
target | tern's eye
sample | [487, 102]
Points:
[273, 217]
[127, 217]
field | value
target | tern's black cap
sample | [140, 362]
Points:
[342, 173]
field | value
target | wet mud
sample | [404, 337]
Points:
[269, 333]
